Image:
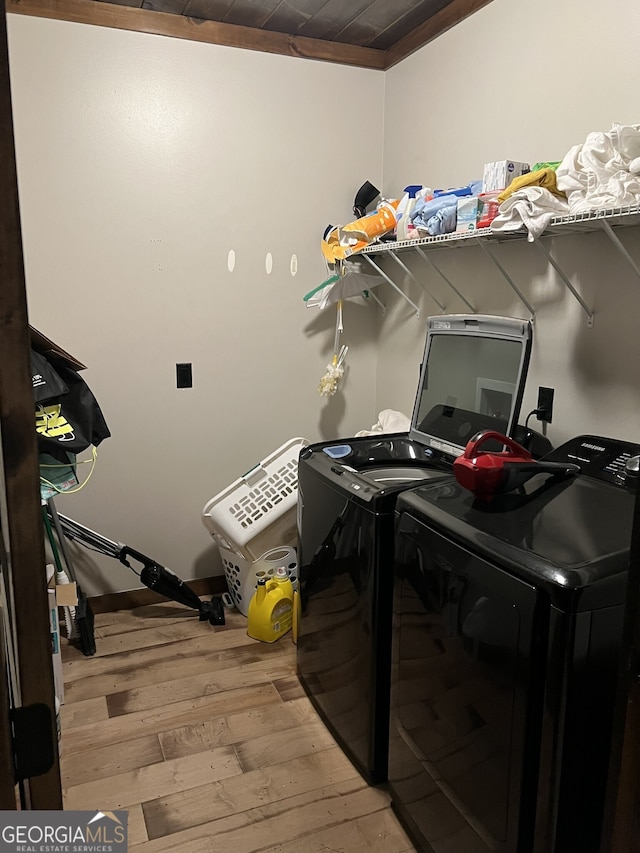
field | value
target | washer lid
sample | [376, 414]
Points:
[570, 532]
[472, 378]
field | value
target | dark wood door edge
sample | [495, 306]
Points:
[20, 492]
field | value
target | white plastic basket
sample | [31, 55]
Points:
[242, 576]
[257, 512]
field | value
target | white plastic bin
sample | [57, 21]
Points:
[253, 516]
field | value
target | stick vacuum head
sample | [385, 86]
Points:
[213, 611]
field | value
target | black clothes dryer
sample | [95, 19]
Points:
[507, 626]
[472, 377]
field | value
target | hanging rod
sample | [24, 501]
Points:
[426, 257]
[507, 277]
[393, 284]
[566, 281]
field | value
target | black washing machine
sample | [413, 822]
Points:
[507, 626]
[472, 377]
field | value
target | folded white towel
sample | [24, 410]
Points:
[531, 207]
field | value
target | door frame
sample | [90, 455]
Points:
[22, 530]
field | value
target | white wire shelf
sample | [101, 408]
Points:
[607, 220]
[577, 223]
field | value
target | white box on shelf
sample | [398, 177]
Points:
[499, 174]
[467, 214]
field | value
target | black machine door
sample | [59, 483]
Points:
[465, 699]
[343, 651]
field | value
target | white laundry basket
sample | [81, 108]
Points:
[255, 516]
[242, 576]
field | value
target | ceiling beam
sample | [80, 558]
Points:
[437, 24]
[178, 26]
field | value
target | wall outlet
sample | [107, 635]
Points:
[544, 409]
[184, 375]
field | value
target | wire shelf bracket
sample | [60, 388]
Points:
[371, 295]
[436, 269]
[393, 284]
[606, 227]
[566, 282]
[507, 278]
[417, 281]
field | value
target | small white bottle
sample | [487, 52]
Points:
[282, 576]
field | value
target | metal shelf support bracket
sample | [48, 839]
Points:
[436, 269]
[393, 284]
[416, 280]
[507, 278]
[371, 295]
[566, 281]
[618, 244]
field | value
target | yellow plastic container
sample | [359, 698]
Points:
[340, 243]
[296, 616]
[270, 613]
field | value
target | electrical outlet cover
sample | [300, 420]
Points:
[545, 404]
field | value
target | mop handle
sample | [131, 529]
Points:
[53, 512]
[52, 541]
[74, 530]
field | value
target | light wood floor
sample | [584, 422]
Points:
[207, 739]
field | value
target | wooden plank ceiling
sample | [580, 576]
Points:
[366, 33]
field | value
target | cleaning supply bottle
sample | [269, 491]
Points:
[404, 210]
[270, 613]
[282, 576]
[284, 579]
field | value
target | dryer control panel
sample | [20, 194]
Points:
[599, 457]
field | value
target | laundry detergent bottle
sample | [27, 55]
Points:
[270, 613]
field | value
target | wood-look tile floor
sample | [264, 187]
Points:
[206, 737]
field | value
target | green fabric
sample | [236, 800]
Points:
[331, 280]
[553, 166]
[62, 476]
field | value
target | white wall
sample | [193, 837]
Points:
[141, 161]
[524, 82]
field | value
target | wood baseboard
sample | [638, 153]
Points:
[132, 598]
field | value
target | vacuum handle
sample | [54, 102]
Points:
[473, 447]
[147, 562]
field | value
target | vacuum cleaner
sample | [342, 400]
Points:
[487, 473]
[154, 576]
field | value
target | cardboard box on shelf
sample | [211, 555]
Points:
[61, 595]
[499, 174]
